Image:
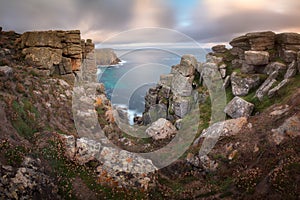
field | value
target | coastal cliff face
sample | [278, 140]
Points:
[256, 157]
[55, 52]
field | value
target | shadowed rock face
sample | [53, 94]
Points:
[106, 57]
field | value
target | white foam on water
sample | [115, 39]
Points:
[131, 113]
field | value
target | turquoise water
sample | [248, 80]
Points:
[127, 83]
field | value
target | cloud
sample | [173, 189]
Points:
[222, 20]
[205, 20]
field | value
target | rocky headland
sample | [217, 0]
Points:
[106, 56]
[255, 157]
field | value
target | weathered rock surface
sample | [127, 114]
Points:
[56, 51]
[238, 107]
[289, 129]
[113, 161]
[256, 41]
[242, 85]
[257, 57]
[289, 56]
[223, 129]
[161, 129]
[261, 41]
[276, 66]
[266, 86]
[182, 85]
[291, 71]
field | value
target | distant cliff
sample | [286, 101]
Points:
[106, 56]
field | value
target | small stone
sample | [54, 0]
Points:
[232, 155]
[6, 71]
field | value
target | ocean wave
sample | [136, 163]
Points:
[131, 113]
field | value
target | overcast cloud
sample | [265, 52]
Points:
[206, 21]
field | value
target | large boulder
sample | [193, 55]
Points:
[275, 66]
[241, 42]
[242, 84]
[238, 107]
[261, 41]
[187, 66]
[219, 49]
[257, 57]
[288, 41]
[161, 129]
[223, 129]
[288, 38]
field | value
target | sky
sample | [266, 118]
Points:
[205, 21]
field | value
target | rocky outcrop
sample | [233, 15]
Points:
[106, 56]
[113, 163]
[256, 41]
[58, 52]
[175, 94]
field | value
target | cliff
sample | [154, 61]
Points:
[55, 52]
[106, 57]
[256, 156]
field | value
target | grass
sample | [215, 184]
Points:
[281, 96]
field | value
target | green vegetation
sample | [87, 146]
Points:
[280, 97]
[25, 118]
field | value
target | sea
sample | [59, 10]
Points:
[126, 83]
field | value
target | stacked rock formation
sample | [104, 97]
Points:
[56, 52]
[175, 95]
